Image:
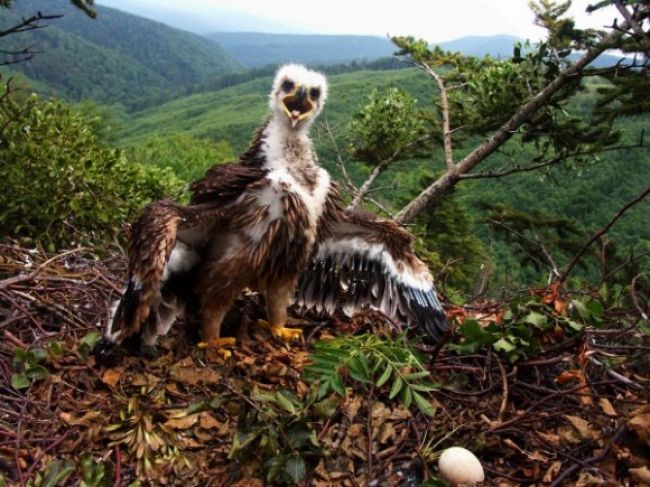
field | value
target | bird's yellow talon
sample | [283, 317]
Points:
[218, 344]
[283, 333]
[225, 354]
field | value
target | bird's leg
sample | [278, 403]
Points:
[213, 315]
[277, 301]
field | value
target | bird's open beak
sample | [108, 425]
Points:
[297, 105]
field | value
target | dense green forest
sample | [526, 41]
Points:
[121, 59]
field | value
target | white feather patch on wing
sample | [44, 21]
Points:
[182, 259]
[112, 337]
[376, 252]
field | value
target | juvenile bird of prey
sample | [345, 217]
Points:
[274, 223]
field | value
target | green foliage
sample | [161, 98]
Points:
[63, 186]
[27, 367]
[186, 156]
[277, 432]
[87, 343]
[116, 58]
[55, 473]
[587, 193]
[372, 361]
[448, 242]
[95, 473]
[386, 127]
[152, 446]
[529, 232]
[525, 320]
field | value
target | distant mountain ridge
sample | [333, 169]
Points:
[257, 49]
[116, 58]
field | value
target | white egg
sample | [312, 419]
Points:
[459, 466]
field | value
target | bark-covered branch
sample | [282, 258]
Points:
[30, 23]
[446, 118]
[364, 189]
[451, 177]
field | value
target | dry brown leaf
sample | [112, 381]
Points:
[111, 377]
[587, 479]
[182, 423]
[641, 475]
[583, 427]
[400, 413]
[568, 376]
[552, 471]
[145, 379]
[351, 405]
[639, 422]
[379, 412]
[568, 434]
[187, 443]
[387, 432]
[607, 407]
[193, 375]
[550, 437]
[88, 419]
[248, 482]
[207, 421]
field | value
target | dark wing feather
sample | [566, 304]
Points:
[367, 263]
[166, 227]
[153, 238]
[225, 183]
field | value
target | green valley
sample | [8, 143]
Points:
[117, 58]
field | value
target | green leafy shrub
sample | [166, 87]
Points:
[278, 432]
[526, 322]
[372, 361]
[188, 157]
[62, 186]
[386, 127]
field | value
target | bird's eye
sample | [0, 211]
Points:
[287, 86]
[314, 93]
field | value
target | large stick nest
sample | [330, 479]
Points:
[576, 414]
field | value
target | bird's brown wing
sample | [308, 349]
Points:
[153, 238]
[367, 263]
[224, 183]
[169, 238]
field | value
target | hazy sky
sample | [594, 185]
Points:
[434, 20]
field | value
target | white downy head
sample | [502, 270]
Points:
[298, 95]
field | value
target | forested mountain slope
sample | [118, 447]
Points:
[115, 58]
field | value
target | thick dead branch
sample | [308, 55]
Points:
[634, 24]
[362, 191]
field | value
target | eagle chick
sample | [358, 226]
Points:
[274, 223]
